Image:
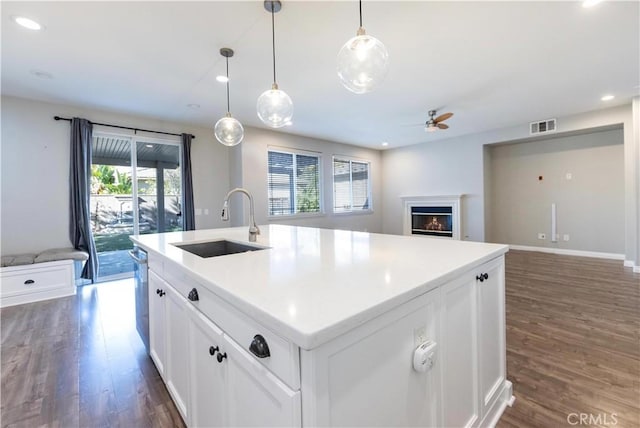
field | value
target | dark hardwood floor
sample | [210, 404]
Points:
[573, 341]
[573, 346]
[78, 361]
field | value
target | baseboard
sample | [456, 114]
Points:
[636, 269]
[565, 252]
[629, 263]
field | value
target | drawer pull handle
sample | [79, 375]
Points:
[259, 347]
[29, 282]
[193, 295]
[221, 357]
[480, 277]
[213, 350]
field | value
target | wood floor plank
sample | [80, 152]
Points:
[573, 340]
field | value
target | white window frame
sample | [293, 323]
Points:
[295, 153]
[351, 159]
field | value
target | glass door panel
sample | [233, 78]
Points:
[158, 185]
[111, 205]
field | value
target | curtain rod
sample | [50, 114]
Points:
[125, 127]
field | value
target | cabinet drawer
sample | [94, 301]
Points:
[284, 359]
[256, 398]
[35, 278]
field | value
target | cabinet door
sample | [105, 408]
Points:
[177, 361]
[208, 376]
[459, 353]
[491, 331]
[157, 348]
[255, 396]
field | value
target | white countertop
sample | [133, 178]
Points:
[313, 285]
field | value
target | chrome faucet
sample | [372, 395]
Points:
[254, 231]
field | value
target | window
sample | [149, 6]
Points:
[294, 183]
[351, 186]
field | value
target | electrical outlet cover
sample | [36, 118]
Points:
[542, 236]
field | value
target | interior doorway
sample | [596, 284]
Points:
[135, 189]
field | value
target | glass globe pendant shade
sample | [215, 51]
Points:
[275, 108]
[362, 63]
[229, 131]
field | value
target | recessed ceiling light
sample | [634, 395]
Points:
[288, 123]
[590, 3]
[193, 106]
[222, 79]
[150, 146]
[42, 74]
[385, 144]
[27, 23]
[607, 98]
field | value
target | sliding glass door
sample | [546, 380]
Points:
[135, 188]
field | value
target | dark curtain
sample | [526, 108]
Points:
[188, 214]
[80, 187]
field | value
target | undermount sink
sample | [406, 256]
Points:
[217, 248]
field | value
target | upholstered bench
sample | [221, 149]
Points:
[26, 278]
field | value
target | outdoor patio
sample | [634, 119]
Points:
[111, 263]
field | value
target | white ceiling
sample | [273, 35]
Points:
[493, 64]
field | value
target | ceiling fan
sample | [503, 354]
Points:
[435, 123]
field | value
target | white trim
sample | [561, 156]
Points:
[453, 201]
[566, 252]
[636, 269]
[629, 263]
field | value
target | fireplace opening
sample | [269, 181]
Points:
[432, 221]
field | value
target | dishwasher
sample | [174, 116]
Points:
[141, 277]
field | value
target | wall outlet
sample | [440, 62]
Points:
[542, 236]
[419, 336]
[565, 237]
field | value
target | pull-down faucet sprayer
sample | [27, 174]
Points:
[254, 231]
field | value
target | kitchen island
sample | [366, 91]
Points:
[323, 327]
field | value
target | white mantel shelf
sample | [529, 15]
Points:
[312, 285]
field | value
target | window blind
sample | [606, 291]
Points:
[294, 183]
[351, 185]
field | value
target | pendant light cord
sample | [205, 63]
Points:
[360, 13]
[228, 108]
[273, 41]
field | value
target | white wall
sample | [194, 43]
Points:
[590, 204]
[455, 166]
[254, 177]
[35, 171]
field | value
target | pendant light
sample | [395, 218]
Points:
[362, 62]
[275, 107]
[228, 130]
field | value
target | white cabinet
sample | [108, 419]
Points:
[491, 336]
[168, 339]
[157, 322]
[365, 377]
[458, 351]
[473, 346]
[208, 375]
[177, 360]
[213, 381]
[255, 396]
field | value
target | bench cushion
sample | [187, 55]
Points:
[18, 259]
[61, 254]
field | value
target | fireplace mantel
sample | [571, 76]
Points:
[453, 201]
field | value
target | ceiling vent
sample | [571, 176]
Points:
[542, 127]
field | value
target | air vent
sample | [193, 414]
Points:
[542, 127]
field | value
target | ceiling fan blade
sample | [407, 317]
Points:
[443, 117]
[442, 126]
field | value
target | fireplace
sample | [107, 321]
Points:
[432, 221]
[434, 216]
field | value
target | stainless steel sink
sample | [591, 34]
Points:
[217, 248]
